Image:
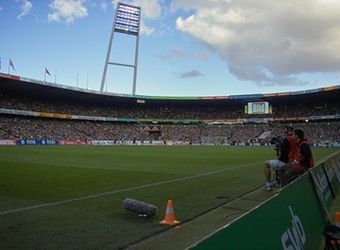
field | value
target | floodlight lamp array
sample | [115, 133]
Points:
[127, 19]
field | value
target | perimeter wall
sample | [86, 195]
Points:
[292, 219]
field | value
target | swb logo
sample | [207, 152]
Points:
[294, 238]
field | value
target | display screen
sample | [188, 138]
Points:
[258, 108]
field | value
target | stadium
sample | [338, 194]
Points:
[56, 196]
[86, 169]
[92, 117]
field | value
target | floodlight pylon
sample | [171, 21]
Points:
[126, 21]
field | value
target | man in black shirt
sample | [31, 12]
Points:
[285, 155]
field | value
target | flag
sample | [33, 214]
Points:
[47, 72]
[11, 64]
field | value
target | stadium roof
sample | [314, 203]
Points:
[40, 89]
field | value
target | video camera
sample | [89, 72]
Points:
[277, 141]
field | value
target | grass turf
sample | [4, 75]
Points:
[196, 178]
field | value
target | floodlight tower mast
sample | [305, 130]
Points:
[126, 21]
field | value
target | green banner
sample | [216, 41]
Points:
[322, 185]
[284, 222]
[333, 173]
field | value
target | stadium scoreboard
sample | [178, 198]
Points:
[257, 108]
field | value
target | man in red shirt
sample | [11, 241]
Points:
[303, 159]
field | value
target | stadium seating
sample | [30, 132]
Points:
[26, 115]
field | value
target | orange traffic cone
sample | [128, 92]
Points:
[170, 215]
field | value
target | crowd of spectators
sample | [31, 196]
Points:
[26, 127]
[164, 111]
[17, 127]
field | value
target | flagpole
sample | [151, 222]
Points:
[10, 64]
[45, 75]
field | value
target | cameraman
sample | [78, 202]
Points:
[285, 151]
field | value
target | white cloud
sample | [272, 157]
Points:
[145, 30]
[150, 8]
[67, 10]
[103, 5]
[268, 42]
[26, 7]
[328, 1]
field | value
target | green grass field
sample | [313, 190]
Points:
[63, 197]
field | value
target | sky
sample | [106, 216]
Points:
[186, 47]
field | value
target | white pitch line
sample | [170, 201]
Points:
[88, 197]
